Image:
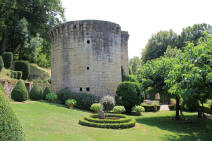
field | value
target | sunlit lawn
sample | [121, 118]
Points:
[50, 122]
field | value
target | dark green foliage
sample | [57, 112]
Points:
[51, 97]
[36, 93]
[1, 63]
[128, 94]
[8, 59]
[19, 74]
[45, 92]
[24, 67]
[190, 104]
[172, 107]
[10, 128]
[84, 100]
[131, 78]
[19, 92]
[122, 123]
[108, 103]
[16, 74]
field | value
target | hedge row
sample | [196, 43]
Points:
[151, 108]
[95, 118]
[24, 67]
[16, 74]
[1, 63]
[128, 124]
[172, 107]
[84, 100]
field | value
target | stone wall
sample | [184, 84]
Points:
[124, 51]
[86, 57]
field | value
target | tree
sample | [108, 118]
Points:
[172, 52]
[192, 34]
[134, 64]
[192, 75]
[158, 44]
[153, 74]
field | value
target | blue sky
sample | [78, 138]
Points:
[141, 18]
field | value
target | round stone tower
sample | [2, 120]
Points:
[87, 57]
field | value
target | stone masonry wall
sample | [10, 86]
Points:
[86, 57]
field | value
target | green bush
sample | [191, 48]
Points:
[71, 102]
[131, 78]
[51, 97]
[191, 104]
[95, 107]
[1, 63]
[128, 94]
[19, 92]
[24, 67]
[8, 59]
[120, 118]
[10, 128]
[35, 93]
[84, 100]
[19, 74]
[138, 109]
[13, 74]
[108, 103]
[172, 107]
[119, 109]
[45, 92]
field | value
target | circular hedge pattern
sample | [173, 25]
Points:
[119, 122]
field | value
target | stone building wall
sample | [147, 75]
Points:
[86, 57]
[124, 51]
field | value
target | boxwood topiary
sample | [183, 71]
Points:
[10, 128]
[36, 93]
[19, 92]
[24, 67]
[1, 63]
[45, 92]
[128, 94]
[8, 59]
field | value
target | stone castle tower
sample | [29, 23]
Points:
[87, 56]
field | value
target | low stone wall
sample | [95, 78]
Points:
[9, 85]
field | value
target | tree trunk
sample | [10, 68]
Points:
[177, 117]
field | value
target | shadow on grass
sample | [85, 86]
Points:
[199, 130]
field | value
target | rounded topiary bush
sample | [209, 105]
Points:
[119, 109]
[138, 109]
[19, 92]
[51, 97]
[71, 103]
[95, 107]
[108, 103]
[24, 67]
[8, 59]
[10, 128]
[1, 63]
[36, 93]
[128, 94]
[45, 92]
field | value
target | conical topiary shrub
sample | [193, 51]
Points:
[19, 92]
[45, 92]
[10, 128]
[35, 93]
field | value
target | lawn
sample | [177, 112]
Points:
[51, 122]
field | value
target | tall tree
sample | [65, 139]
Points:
[134, 64]
[158, 44]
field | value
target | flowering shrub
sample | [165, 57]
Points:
[95, 107]
[119, 109]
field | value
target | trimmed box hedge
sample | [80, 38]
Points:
[94, 118]
[1, 63]
[24, 67]
[8, 59]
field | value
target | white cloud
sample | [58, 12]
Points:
[141, 18]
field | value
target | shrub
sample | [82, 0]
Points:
[8, 59]
[51, 97]
[84, 100]
[19, 74]
[152, 107]
[128, 94]
[138, 109]
[13, 74]
[45, 92]
[24, 67]
[108, 103]
[95, 107]
[35, 93]
[10, 128]
[191, 104]
[172, 101]
[119, 109]
[71, 102]
[131, 78]
[172, 107]
[1, 63]
[19, 92]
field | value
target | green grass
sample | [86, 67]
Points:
[51, 122]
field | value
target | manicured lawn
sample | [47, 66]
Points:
[50, 122]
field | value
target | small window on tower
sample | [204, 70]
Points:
[88, 41]
[75, 26]
[88, 68]
[80, 89]
[87, 89]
